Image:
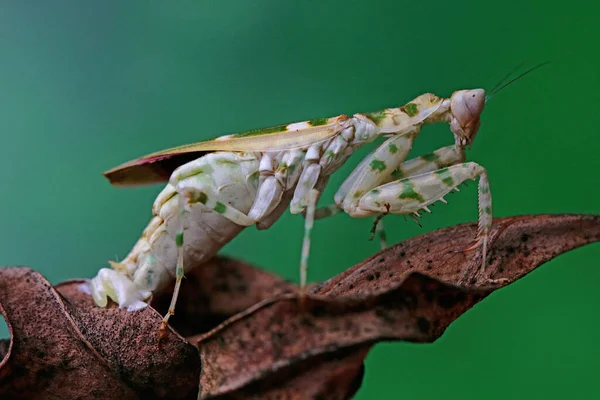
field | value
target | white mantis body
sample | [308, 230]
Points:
[218, 187]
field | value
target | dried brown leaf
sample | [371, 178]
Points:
[67, 349]
[410, 292]
[270, 343]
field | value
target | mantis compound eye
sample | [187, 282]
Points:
[475, 101]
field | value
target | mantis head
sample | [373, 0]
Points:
[466, 107]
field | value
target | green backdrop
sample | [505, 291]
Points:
[86, 85]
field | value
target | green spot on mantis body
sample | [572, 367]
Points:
[488, 210]
[445, 176]
[430, 157]
[283, 168]
[377, 165]
[329, 154]
[179, 239]
[202, 198]
[258, 132]
[318, 121]
[327, 212]
[220, 207]
[376, 116]
[225, 161]
[397, 174]
[393, 148]
[408, 192]
[485, 189]
[149, 277]
[411, 109]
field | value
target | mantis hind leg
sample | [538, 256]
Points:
[179, 271]
[308, 225]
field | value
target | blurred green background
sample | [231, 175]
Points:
[86, 85]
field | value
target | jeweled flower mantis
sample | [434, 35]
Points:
[218, 187]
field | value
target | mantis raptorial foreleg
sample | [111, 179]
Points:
[375, 169]
[440, 158]
[412, 194]
[419, 182]
[444, 157]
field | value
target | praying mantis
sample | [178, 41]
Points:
[218, 187]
